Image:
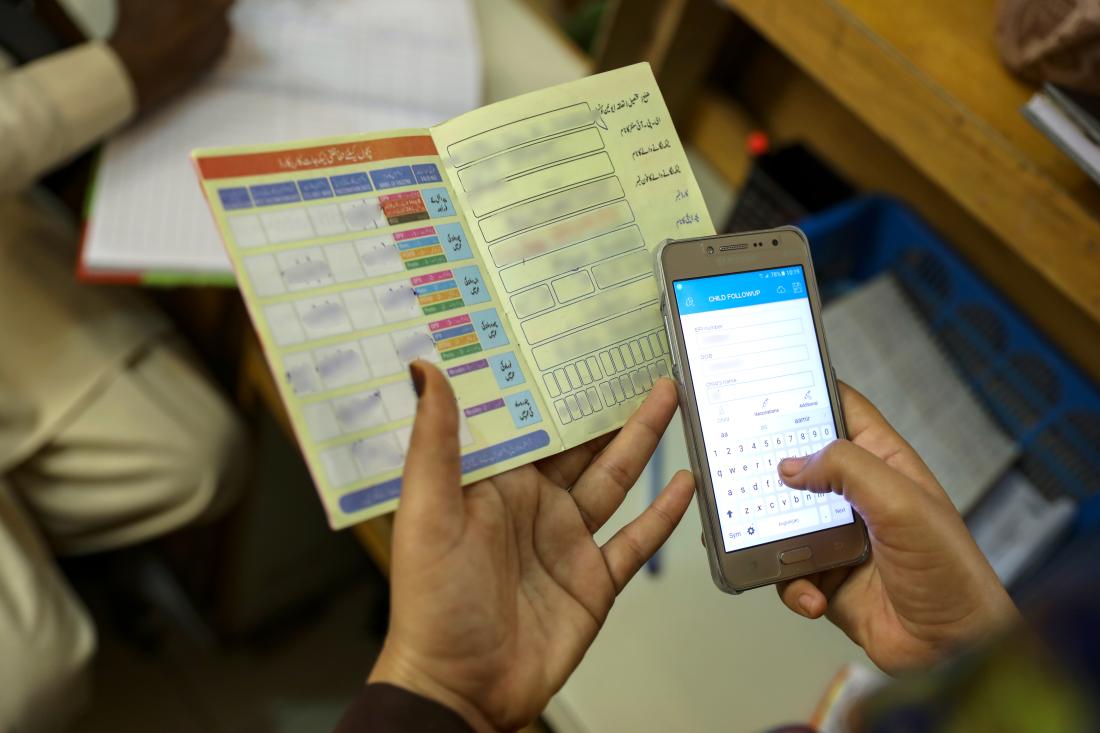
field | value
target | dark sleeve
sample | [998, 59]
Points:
[382, 708]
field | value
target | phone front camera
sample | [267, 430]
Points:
[775, 242]
[710, 250]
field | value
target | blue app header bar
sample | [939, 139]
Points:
[736, 290]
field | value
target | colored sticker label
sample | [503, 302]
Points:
[270, 194]
[400, 208]
[489, 328]
[506, 370]
[349, 183]
[438, 202]
[473, 366]
[523, 408]
[427, 173]
[483, 408]
[453, 240]
[315, 188]
[235, 198]
[393, 177]
[472, 284]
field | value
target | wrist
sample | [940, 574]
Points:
[396, 669]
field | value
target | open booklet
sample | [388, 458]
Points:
[511, 245]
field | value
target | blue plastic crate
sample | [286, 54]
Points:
[1034, 392]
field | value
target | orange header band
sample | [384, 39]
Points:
[322, 156]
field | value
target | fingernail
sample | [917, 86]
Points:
[804, 602]
[417, 374]
[791, 466]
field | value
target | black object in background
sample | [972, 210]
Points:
[783, 186]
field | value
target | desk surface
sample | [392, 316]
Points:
[926, 78]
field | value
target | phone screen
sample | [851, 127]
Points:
[759, 381]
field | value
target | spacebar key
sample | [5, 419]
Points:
[799, 521]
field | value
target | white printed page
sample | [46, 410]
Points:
[567, 192]
[295, 69]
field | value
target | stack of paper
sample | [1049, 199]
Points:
[295, 69]
[880, 345]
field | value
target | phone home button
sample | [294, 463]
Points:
[798, 554]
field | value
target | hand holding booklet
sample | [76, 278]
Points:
[510, 245]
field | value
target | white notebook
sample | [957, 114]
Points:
[295, 69]
[880, 345]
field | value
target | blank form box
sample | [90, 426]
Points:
[400, 399]
[404, 437]
[381, 355]
[398, 301]
[301, 373]
[532, 301]
[283, 322]
[590, 311]
[363, 214]
[571, 258]
[247, 231]
[552, 206]
[379, 256]
[289, 225]
[340, 466]
[586, 341]
[341, 365]
[321, 421]
[519, 132]
[360, 411]
[264, 274]
[323, 316]
[573, 286]
[306, 268]
[530, 157]
[415, 343]
[378, 454]
[362, 309]
[465, 437]
[343, 260]
[326, 220]
[540, 182]
[621, 269]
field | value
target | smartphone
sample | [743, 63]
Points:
[743, 318]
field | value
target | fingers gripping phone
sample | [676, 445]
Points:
[744, 324]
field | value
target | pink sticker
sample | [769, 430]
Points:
[449, 322]
[434, 277]
[413, 234]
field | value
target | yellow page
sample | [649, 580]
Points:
[567, 192]
[353, 259]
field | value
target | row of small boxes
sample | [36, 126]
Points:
[586, 401]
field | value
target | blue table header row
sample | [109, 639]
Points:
[310, 189]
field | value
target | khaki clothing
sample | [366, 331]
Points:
[109, 435]
[59, 339]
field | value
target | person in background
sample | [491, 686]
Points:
[109, 434]
[498, 588]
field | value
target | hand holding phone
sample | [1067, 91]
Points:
[926, 589]
[744, 324]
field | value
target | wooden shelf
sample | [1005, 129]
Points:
[925, 78]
